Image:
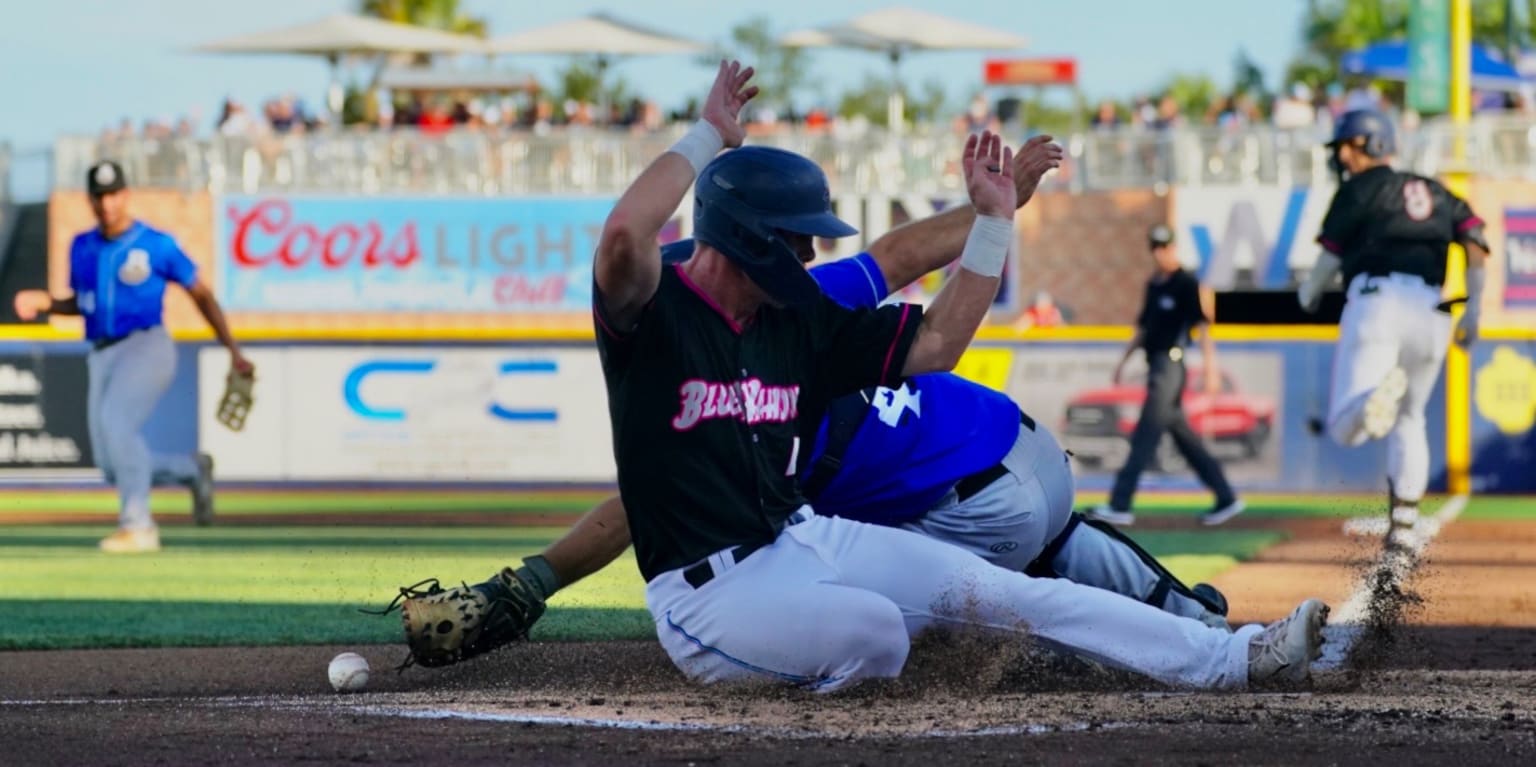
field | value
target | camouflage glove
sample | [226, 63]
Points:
[235, 405]
[445, 626]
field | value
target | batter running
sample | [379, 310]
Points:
[710, 365]
[1388, 232]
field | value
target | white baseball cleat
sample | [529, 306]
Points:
[1384, 404]
[1114, 516]
[1285, 649]
[1221, 514]
[1405, 517]
[126, 541]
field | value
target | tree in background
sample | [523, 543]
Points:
[433, 14]
[1331, 28]
[782, 73]
[586, 79]
[1194, 93]
[869, 100]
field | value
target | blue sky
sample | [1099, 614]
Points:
[74, 66]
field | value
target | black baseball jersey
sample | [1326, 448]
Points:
[706, 415]
[1383, 221]
[1171, 309]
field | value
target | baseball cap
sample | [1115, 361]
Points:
[105, 177]
[1160, 235]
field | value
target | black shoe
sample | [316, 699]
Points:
[1211, 597]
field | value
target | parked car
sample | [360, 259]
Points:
[1099, 422]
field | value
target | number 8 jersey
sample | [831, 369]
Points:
[1384, 221]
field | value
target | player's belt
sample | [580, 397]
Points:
[704, 572]
[699, 574]
[975, 483]
[103, 343]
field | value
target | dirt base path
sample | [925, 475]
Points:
[1456, 683]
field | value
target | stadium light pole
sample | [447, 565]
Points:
[1458, 367]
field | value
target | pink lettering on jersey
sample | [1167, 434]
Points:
[749, 401]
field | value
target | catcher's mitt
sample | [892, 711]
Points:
[235, 405]
[445, 626]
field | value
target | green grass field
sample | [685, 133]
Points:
[304, 583]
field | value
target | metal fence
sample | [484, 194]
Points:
[598, 162]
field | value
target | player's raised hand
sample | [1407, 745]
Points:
[722, 107]
[988, 167]
[1036, 157]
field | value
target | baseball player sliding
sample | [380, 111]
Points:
[1388, 232]
[710, 364]
[118, 272]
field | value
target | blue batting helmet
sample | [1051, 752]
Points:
[1370, 125]
[747, 199]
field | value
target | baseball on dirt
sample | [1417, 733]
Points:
[349, 672]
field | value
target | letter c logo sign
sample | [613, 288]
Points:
[351, 389]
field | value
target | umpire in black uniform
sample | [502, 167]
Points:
[1173, 308]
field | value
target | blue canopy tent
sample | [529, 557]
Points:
[1389, 61]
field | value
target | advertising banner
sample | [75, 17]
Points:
[422, 414]
[1520, 258]
[1504, 417]
[43, 413]
[430, 254]
[1249, 237]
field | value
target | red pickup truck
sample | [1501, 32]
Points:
[1098, 423]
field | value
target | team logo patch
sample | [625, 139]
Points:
[135, 269]
[1165, 303]
[105, 175]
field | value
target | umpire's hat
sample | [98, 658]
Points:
[105, 177]
[1160, 235]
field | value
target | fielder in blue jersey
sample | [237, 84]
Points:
[118, 272]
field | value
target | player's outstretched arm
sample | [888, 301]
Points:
[912, 250]
[627, 266]
[950, 323]
[214, 314]
[591, 544]
[30, 303]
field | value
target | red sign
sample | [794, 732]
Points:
[1031, 71]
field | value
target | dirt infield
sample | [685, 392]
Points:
[1456, 683]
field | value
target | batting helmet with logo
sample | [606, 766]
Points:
[747, 200]
[1370, 125]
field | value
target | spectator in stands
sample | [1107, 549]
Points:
[437, 119]
[1143, 112]
[1363, 96]
[1294, 111]
[1041, 313]
[234, 121]
[1108, 116]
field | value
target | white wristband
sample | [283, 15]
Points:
[699, 145]
[987, 246]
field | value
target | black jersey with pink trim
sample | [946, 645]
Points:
[1383, 221]
[707, 415]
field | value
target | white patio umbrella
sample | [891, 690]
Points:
[346, 34]
[896, 31]
[599, 34]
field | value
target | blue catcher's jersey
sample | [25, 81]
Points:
[120, 284]
[912, 443]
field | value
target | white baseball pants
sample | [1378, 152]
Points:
[1389, 322]
[832, 602]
